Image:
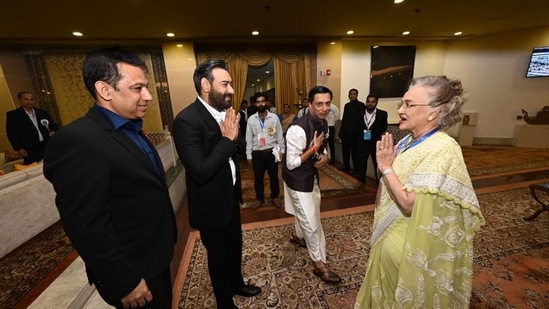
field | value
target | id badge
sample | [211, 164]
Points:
[261, 139]
[367, 135]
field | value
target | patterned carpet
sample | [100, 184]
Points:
[332, 183]
[22, 269]
[488, 160]
[511, 261]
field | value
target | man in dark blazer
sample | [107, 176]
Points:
[29, 128]
[112, 194]
[349, 132]
[205, 135]
[373, 123]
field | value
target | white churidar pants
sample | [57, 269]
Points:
[305, 207]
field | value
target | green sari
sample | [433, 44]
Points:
[425, 260]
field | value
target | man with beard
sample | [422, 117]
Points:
[264, 146]
[205, 135]
[373, 124]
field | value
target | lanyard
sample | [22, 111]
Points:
[414, 143]
[366, 118]
[261, 123]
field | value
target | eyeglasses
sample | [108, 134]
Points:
[407, 105]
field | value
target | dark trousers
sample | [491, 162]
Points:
[35, 153]
[160, 287]
[349, 150]
[224, 246]
[366, 149]
[331, 143]
[261, 162]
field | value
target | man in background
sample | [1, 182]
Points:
[243, 118]
[29, 129]
[205, 135]
[374, 123]
[349, 132]
[111, 189]
[304, 108]
[264, 146]
[333, 116]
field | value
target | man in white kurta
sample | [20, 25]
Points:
[305, 153]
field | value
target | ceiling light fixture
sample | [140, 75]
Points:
[179, 45]
[458, 33]
[170, 34]
[405, 32]
[255, 32]
[332, 43]
[350, 32]
[398, 1]
[76, 33]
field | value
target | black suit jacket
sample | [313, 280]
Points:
[114, 205]
[348, 130]
[378, 127]
[205, 155]
[22, 133]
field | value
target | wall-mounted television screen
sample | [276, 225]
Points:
[539, 62]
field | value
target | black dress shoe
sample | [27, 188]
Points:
[248, 290]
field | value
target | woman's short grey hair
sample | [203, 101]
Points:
[445, 93]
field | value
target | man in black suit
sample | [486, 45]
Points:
[29, 128]
[205, 135]
[111, 188]
[349, 132]
[243, 118]
[374, 123]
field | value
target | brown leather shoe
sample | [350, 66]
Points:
[297, 241]
[326, 274]
[257, 204]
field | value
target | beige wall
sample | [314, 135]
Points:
[356, 59]
[180, 65]
[493, 69]
[329, 57]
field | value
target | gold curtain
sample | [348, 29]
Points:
[63, 71]
[292, 67]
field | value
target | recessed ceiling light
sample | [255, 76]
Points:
[255, 32]
[332, 43]
[458, 33]
[170, 34]
[258, 80]
[253, 85]
[350, 32]
[405, 32]
[179, 45]
[267, 72]
[399, 1]
[76, 33]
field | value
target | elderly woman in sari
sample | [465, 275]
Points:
[426, 212]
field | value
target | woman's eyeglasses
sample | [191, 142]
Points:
[407, 105]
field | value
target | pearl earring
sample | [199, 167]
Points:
[430, 118]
